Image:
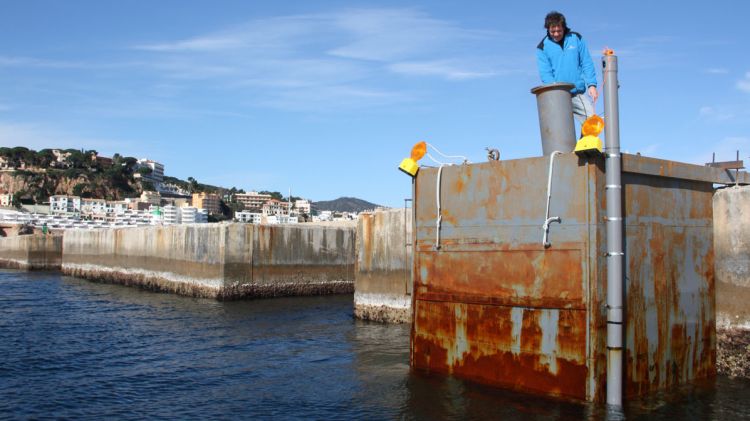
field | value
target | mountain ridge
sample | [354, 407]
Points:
[345, 204]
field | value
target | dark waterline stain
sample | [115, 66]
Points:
[70, 348]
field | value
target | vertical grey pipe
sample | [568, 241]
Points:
[615, 254]
[555, 117]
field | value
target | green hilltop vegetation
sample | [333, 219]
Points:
[33, 176]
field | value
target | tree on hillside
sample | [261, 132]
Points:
[274, 194]
[147, 186]
[76, 158]
[45, 158]
[194, 186]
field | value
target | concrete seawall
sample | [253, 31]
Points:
[225, 261]
[382, 287]
[732, 248]
[31, 252]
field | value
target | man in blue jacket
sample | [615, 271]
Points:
[562, 56]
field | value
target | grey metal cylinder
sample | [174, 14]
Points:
[555, 117]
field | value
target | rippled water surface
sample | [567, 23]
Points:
[70, 348]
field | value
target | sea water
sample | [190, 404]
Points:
[75, 349]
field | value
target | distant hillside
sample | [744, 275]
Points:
[345, 204]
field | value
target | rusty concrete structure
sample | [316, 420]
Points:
[732, 245]
[31, 252]
[492, 304]
[382, 283]
[224, 261]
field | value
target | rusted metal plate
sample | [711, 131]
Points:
[662, 168]
[670, 327]
[492, 305]
[536, 278]
[537, 350]
[727, 165]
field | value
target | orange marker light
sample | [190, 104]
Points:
[418, 151]
[409, 165]
[592, 126]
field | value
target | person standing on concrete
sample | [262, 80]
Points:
[562, 56]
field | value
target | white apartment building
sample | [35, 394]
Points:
[59, 204]
[170, 215]
[191, 215]
[94, 207]
[117, 206]
[253, 199]
[249, 217]
[281, 219]
[157, 171]
[303, 206]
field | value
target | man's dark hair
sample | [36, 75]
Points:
[555, 18]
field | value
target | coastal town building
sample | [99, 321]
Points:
[207, 201]
[171, 188]
[6, 200]
[324, 216]
[281, 219]
[275, 207]
[170, 215]
[101, 160]
[253, 199]
[303, 206]
[248, 217]
[61, 159]
[96, 208]
[156, 177]
[151, 197]
[60, 204]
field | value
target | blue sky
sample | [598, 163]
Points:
[327, 97]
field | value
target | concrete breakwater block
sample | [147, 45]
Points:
[732, 248]
[223, 261]
[31, 252]
[382, 287]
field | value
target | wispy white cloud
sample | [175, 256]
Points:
[28, 62]
[717, 71]
[331, 98]
[351, 56]
[441, 68]
[716, 114]
[345, 55]
[744, 84]
[395, 34]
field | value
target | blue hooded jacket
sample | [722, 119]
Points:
[570, 63]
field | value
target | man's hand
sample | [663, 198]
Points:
[593, 93]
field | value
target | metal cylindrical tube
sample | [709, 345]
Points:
[615, 254]
[555, 117]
